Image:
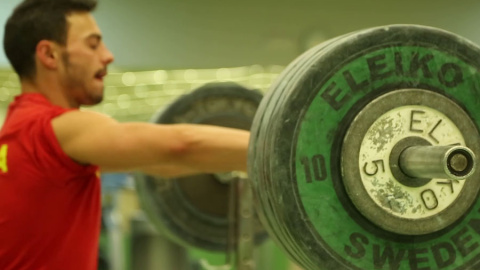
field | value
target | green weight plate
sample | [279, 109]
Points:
[299, 164]
[194, 210]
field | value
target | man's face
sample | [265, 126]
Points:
[84, 60]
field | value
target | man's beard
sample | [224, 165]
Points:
[75, 82]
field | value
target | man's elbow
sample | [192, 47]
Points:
[182, 143]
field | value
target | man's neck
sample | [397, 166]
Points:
[54, 92]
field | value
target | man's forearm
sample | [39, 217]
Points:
[212, 148]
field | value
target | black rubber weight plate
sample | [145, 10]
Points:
[290, 76]
[295, 153]
[193, 210]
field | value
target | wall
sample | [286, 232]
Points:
[6, 7]
[173, 34]
[211, 34]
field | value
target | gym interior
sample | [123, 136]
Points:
[365, 124]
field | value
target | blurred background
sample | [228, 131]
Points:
[166, 48]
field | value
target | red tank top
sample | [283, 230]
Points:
[49, 204]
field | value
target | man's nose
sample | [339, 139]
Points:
[107, 57]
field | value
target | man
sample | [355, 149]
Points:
[51, 152]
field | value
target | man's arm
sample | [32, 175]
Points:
[92, 138]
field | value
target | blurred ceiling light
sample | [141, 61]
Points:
[255, 69]
[136, 95]
[190, 75]
[123, 101]
[276, 69]
[223, 74]
[129, 78]
[160, 76]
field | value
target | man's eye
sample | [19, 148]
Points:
[94, 46]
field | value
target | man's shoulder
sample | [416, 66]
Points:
[81, 115]
[78, 121]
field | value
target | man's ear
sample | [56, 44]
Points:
[47, 53]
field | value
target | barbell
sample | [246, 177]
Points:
[363, 152]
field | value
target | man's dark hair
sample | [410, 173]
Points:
[36, 20]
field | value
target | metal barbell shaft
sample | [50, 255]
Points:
[445, 162]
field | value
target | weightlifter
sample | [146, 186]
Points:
[51, 152]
